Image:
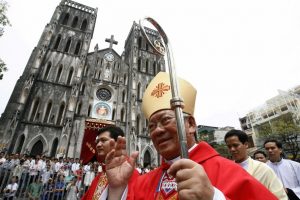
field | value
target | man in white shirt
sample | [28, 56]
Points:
[75, 166]
[11, 189]
[287, 170]
[237, 143]
[57, 165]
[41, 164]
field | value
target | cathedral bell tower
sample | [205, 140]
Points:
[39, 116]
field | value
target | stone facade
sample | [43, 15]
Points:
[63, 85]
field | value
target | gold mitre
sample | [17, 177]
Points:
[158, 95]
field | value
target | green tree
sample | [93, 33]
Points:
[222, 150]
[3, 22]
[284, 128]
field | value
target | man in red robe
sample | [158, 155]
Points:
[98, 188]
[205, 175]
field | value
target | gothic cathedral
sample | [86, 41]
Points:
[64, 89]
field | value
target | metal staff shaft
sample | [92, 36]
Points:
[176, 102]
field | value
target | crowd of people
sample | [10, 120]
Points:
[40, 177]
[44, 177]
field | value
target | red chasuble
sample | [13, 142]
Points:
[225, 175]
[99, 184]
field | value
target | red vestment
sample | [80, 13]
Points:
[101, 180]
[225, 175]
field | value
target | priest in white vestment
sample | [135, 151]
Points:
[287, 170]
[237, 143]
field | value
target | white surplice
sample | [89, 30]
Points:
[289, 173]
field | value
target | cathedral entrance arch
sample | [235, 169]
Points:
[37, 148]
[38, 145]
[147, 159]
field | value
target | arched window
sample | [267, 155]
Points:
[66, 19]
[86, 70]
[139, 91]
[60, 113]
[54, 147]
[89, 110]
[138, 125]
[154, 67]
[77, 47]
[113, 114]
[122, 115]
[140, 42]
[21, 142]
[125, 79]
[34, 109]
[58, 73]
[123, 96]
[113, 77]
[78, 110]
[147, 66]
[139, 64]
[83, 25]
[48, 110]
[47, 70]
[146, 122]
[75, 21]
[82, 89]
[58, 39]
[70, 76]
[68, 45]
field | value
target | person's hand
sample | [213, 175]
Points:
[119, 167]
[192, 180]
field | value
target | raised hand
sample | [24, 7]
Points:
[192, 181]
[119, 167]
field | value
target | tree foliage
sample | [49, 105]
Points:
[222, 150]
[286, 130]
[3, 22]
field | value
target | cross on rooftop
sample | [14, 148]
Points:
[111, 41]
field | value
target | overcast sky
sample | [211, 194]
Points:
[237, 53]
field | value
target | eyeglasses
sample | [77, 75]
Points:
[163, 122]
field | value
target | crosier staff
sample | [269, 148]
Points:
[176, 102]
